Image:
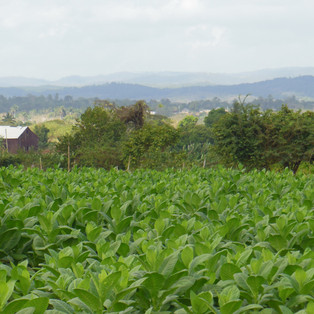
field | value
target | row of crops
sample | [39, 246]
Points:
[194, 241]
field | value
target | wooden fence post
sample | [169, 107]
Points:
[129, 162]
[69, 161]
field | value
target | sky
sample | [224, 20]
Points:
[51, 39]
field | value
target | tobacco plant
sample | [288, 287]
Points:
[189, 241]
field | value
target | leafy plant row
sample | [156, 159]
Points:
[198, 241]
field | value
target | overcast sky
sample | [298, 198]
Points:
[56, 38]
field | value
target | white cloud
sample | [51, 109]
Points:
[204, 37]
[98, 36]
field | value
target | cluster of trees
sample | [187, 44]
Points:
[107, 135]
[262, 139]
[54, 104]
[31, 102]
[110, 136]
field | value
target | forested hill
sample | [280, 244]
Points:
[302, 86]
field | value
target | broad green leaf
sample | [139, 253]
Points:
[187, 256]
[247, 308]
[255, 284]
[244, 257]
[207, 295]
[230, 293]
[3, 275]
[300, 276]
[14, 306]
[61, 306]
[199, 306]
[228, 270]
[124, 224]
[89, 299]
[241, 281]
[308, 287]
[154, 283]
[116, 213]
[6, 289]
[151, 257]
[96, 204]
[230, 307]
[9, 239]
[277, 242]
[310, 307]
[39, 304]
[285, 310]
[65, 261]
[92, 231]
[107, 284]
[81, 305]
[183, 284]
[168, 264]
[159, 225]
[27, 310]
[198, 260]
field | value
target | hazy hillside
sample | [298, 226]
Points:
[163, 79]
[278, 88]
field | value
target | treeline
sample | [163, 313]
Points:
[108, 136]
[50, 103]
[41, 103]
[129, 137]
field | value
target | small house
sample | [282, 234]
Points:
[15, 138]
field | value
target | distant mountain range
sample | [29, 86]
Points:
[163, 79]
[301, 87]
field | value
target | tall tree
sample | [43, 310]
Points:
[238, 136]
[188, 122]
[290, 137]
[95, 140]
[8, 119]
[151, 140]
[261, 139]
[214, 116]
[42, 132]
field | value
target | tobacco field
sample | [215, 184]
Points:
[190, 241]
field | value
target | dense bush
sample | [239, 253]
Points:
[9, 159]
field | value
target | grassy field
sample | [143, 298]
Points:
[56, 128]
[197, 241]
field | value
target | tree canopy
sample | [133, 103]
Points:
[259, 139]
[214, 116]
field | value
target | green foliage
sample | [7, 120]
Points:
[7, 159]
[149, 144]
[290, 137]
[237, 137]
[213, 116]
[95, 140]
[195, 141]
[198, 241]
[42, 133]
[38, 159]
[57, 128]
[188, 122]
[98, 125]
[9, 119]
[134, 115]
[261, 139]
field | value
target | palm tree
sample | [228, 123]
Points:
[8, 119]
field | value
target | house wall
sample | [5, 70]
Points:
[13, 145]
[28, 140]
